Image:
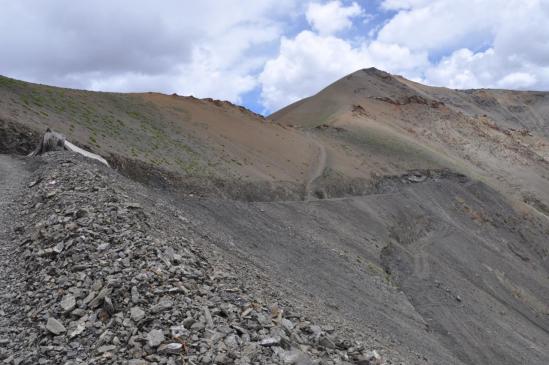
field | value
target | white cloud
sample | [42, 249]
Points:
[402, 4]
[461, 70]
[309, 62]
[517, 80]
[476, 43]
[208, 48]
[464, 69]
[512, 35]
[444, 24]
[331, 17]
[227, 49]
[304, 65]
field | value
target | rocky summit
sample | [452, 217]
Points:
[377, 222]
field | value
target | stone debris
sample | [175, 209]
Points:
[170, 348]
[68, 303]
[55, 327]
[113, 287]
[371, 358]
[155, 338]
[137, 314]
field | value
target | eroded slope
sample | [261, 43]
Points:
[393, 125]
[442, 268]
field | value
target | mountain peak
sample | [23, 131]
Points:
[371, 71]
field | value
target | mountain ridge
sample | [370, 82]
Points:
[414, 216]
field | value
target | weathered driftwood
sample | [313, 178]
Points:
[53, 141]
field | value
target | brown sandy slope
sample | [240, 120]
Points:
[339, 142]
[391, 125]
[204, 140]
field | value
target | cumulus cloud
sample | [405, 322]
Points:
[518, 80]
[463, 69]
[402, 4]
[186, 47]
[499, 44]
[310, 61]
[281, 50]
[453, 43]
[304, 65]
[442, 25]
[332, 17]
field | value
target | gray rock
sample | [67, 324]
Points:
[137, 362]
[68, 303]
[287, 324]
[106, 348]
[270, 341]
[135, 295]
[58, 248]
[326, 342]
[231, 341]
[295, 357]
[55, 327]
[220, 358]
[108, 306]
[163, 305]
[100, 297]
[179, 331]
[155, 338]
[137, 314]
[188, 322]
[73, 332]
[208, 316]
[170, 348]
[115, 259]
[371, 358]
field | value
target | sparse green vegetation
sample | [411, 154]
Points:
[118, 122]
[378, 271]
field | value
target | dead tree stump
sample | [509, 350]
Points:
[50, 141]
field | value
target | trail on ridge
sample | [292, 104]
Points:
[317, 168]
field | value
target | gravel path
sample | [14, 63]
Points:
[13, 175]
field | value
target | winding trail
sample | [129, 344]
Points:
[317, 169]
[13, 178]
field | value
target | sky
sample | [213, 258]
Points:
[265, 54]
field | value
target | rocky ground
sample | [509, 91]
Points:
[92, 275]
[12, 173]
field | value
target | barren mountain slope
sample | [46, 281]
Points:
[443, 269]
[418, 217]
[394, 124]
[97, 269]
[201, 140]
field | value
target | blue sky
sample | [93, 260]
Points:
[376, 18]
[265, 54]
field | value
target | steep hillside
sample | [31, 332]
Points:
[337, 143]
[208, 145]
[109, 272]
[399, 217]
[394, 124]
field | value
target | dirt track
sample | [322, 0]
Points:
[13, 175]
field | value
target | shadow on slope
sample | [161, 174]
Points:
[444, 268]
